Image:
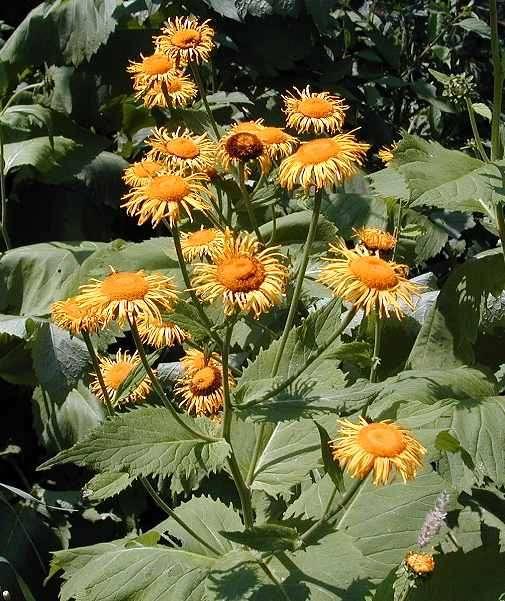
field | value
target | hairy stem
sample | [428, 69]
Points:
[203, 95]
[247, 200]
[157, 386]
[475, 130]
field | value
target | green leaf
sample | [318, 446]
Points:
[208, 519]
[441, 77]
[265, 537]
[445, 441]
[102, 176]
[475, 25]
[483, 110]
[16, 364]
[349, 210]
[106, 485]
[186, 316]
[293, 228]
[331, 467]
[143, 442]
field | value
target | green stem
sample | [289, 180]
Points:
[398, 227]
[315, 527]
[157, 386]
[247, 200]
[243, 490]
[203, 95]
[170, 512]
[3, 198]
[376, 347]
[98, 372]
[187, 282]
[299, 282]
[315, 355]
[475, 130]
[500, 224]
[274, 226]
[32, 86]
[496, 150]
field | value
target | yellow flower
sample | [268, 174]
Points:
[177, 92]
[245, 277]
[381, 447]
[115, 371]
[70, 315]
[182, 150]
[239, 145]
[203, 243]
[185, 39]
[161, 333]
[201, 386]
[163, 196]
[375, 239]
[308, 111]
[124, 294]
[323, 162]
[141, 172]
[419, 564]
[367, 281]
[386, 154]
[151, 71]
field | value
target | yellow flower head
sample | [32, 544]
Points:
[204, 243]
[245, 277]
[124, 294]
[182, 150]
[163, 196]
[115, 371]
[367, 281]
[194, 360]
[239, 144]
[374, 239]
[323, 162]
[185, 39]
[201, 386]
[386, 154]
[308, 111]
[151, 71]
[141, 172]
[161, 333]
[381, 447]
[177, 92]
[420, 564]
[70, 315]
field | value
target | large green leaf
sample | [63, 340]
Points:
[106, 485]
[293, 229]
[143, 442]
[207, 519]
[448, 334]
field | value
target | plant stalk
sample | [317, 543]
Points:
[247, 200]
[157, 386]
[496, 148]
[96, 366]
[203, 95]
[376, 347]
[475, 130]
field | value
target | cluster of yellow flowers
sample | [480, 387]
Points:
[174, 177]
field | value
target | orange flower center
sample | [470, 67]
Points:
[316, 151]
[196, 361]
[186, 38]
[271, 135]
[146, 168]
[183, 148]
[315, 107]
[241, 274]
[156, 64]
[381, 440]
[73, 309]
[125, 285]
[374, 273]
[244, 146]
[115, 375]
[205, 380]
[201, 237]
[167, 188]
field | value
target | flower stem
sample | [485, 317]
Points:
[243, 490]
[376, 348]
[170, 512]
[96, 366]
[496, 149]
[187, 282]
[247, 200]
[203, 95]
[299, 283]
[157, 386]
[475, 130]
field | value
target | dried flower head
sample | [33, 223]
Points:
[382, 447]
[419, 564]
[374, 239]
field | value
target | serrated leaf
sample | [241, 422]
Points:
[475, 25]
[106, 485]
[265, 537]
[143, 442]
[208, 518]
